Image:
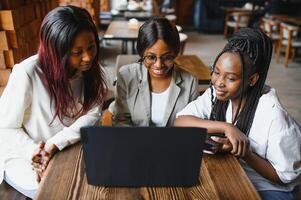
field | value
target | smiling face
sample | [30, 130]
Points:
[159, 59]
[82, 52]
[226, 77]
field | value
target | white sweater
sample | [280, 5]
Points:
[25, 114]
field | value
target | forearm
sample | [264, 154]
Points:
[263, 167]
[70, 135]
[211, 126]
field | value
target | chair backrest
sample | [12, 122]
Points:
[288, 31]
[183, 39]
[121, 60]
[179, 28]
[124, 59]
[171, 18]
[270, 26]
[241, 17]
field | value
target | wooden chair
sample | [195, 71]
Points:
[121, 60]
[271, 28]
[288, 38]
[172, 18]
[183, 40]
[236, 20]
[179, 28]
[124, 59]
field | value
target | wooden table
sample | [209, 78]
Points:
[194, 65]
[119, 30]
[155, 9]
[229, 10]
[221, 177]
[141, 15]
[235, 9]
[288, 19]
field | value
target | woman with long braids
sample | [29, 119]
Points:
[247, 112]
[49, 97]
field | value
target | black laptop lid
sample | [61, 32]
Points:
[142, 156]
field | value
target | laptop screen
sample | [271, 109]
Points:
[142, 156]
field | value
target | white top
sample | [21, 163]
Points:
[182, 37]
[274, 136]
[25, 115]
[159, 104]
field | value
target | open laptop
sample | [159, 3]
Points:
[142, 156]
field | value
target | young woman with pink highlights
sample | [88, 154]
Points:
[49, 97]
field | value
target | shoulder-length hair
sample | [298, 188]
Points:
[154, 29]
[57, 33]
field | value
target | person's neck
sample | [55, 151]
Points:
[235, 105]
[158, 85]
[72, 73]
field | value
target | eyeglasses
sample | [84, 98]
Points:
[167, 60]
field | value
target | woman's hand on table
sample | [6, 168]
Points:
[235, 142]
[41, 158]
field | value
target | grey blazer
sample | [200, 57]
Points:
[132, 103]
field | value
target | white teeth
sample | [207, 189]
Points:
[220, 92]
[156, 71]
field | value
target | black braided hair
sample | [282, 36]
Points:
[255, 50]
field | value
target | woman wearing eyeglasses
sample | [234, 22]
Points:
[152, 91]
